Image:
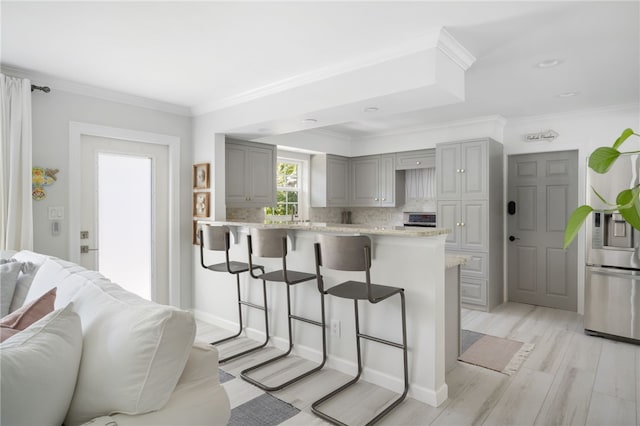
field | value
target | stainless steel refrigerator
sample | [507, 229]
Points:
[612, 279]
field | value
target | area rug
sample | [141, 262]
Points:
[495, 353]
[263, 410]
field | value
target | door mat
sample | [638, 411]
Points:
[495, 353]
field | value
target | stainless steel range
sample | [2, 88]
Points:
[423, 219]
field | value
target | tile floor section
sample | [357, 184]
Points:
[569, 379]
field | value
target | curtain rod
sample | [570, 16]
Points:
[45, 89]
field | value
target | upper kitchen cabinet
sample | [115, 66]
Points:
[375, 183]
[462, 170]
[422, 159]
[250, 174]
[329, 181]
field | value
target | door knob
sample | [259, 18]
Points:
[512, 238]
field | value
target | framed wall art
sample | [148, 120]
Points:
[201, 176]
[201, 204]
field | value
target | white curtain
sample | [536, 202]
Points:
[16, 212]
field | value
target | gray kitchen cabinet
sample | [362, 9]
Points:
[462, 170]
[329, 181]
[421, 159]
[375, 183]
[469, 193]
[468, 221]
[250, 174]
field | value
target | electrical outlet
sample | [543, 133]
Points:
[335, 327]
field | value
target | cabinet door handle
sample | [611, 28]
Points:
[457, 170]
[384, 199]
[461, 170]
[418, 162]
[461, 223]
[457, 223]
[375, 199]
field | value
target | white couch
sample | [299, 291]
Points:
[106, 357]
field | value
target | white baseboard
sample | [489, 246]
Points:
[421, 393]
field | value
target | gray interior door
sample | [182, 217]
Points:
[544, 188]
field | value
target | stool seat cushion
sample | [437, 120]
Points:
[295, 277]
[234, 267]
[358, 290]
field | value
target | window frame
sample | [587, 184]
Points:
[303, 187]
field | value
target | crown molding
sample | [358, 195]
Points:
[454, 50]
[494, 119]
[418, 44]
[56, 83]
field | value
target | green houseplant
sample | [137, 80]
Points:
[627, 201]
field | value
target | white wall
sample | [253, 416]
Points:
[52, 113]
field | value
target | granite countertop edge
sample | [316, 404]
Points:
[340, 228]
[453, 260]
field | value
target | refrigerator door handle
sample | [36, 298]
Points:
[622, 273]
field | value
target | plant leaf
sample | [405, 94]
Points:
[602, 198]
[623, 137]
[603, 158]
[576, 220]
[630, 206]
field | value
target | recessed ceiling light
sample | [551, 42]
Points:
[549, 63]
[309, 120]
[371, 109]
[567, 94]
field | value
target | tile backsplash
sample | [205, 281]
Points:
[369, 215]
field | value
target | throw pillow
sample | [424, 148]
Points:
[39, 370]
[134, 352]
[27, 315]
[9, 272]
[25, 278]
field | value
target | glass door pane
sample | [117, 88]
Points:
[124, 221]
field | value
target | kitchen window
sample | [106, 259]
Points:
[291, 191]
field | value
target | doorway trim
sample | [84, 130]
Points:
[76, 131]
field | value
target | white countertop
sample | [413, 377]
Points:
[453, 260]
[399, 231]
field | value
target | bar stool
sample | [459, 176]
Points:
[272, 243]
[353, 253]
[217, 238]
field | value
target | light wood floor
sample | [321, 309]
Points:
[568, 379]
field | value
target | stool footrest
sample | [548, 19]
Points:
[251, 305]
[307, 320]
[379, 340]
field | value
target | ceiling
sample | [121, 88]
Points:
[211, 56]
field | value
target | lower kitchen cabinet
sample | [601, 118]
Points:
[473, 291]
[480, 280]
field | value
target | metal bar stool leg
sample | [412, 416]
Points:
[322, 324]
[240, 321]
[394, 404]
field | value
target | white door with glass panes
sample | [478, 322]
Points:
[124, 213]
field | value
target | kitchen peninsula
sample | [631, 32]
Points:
[412, 258]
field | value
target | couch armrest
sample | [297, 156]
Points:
[198, 398]
[201, 364]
